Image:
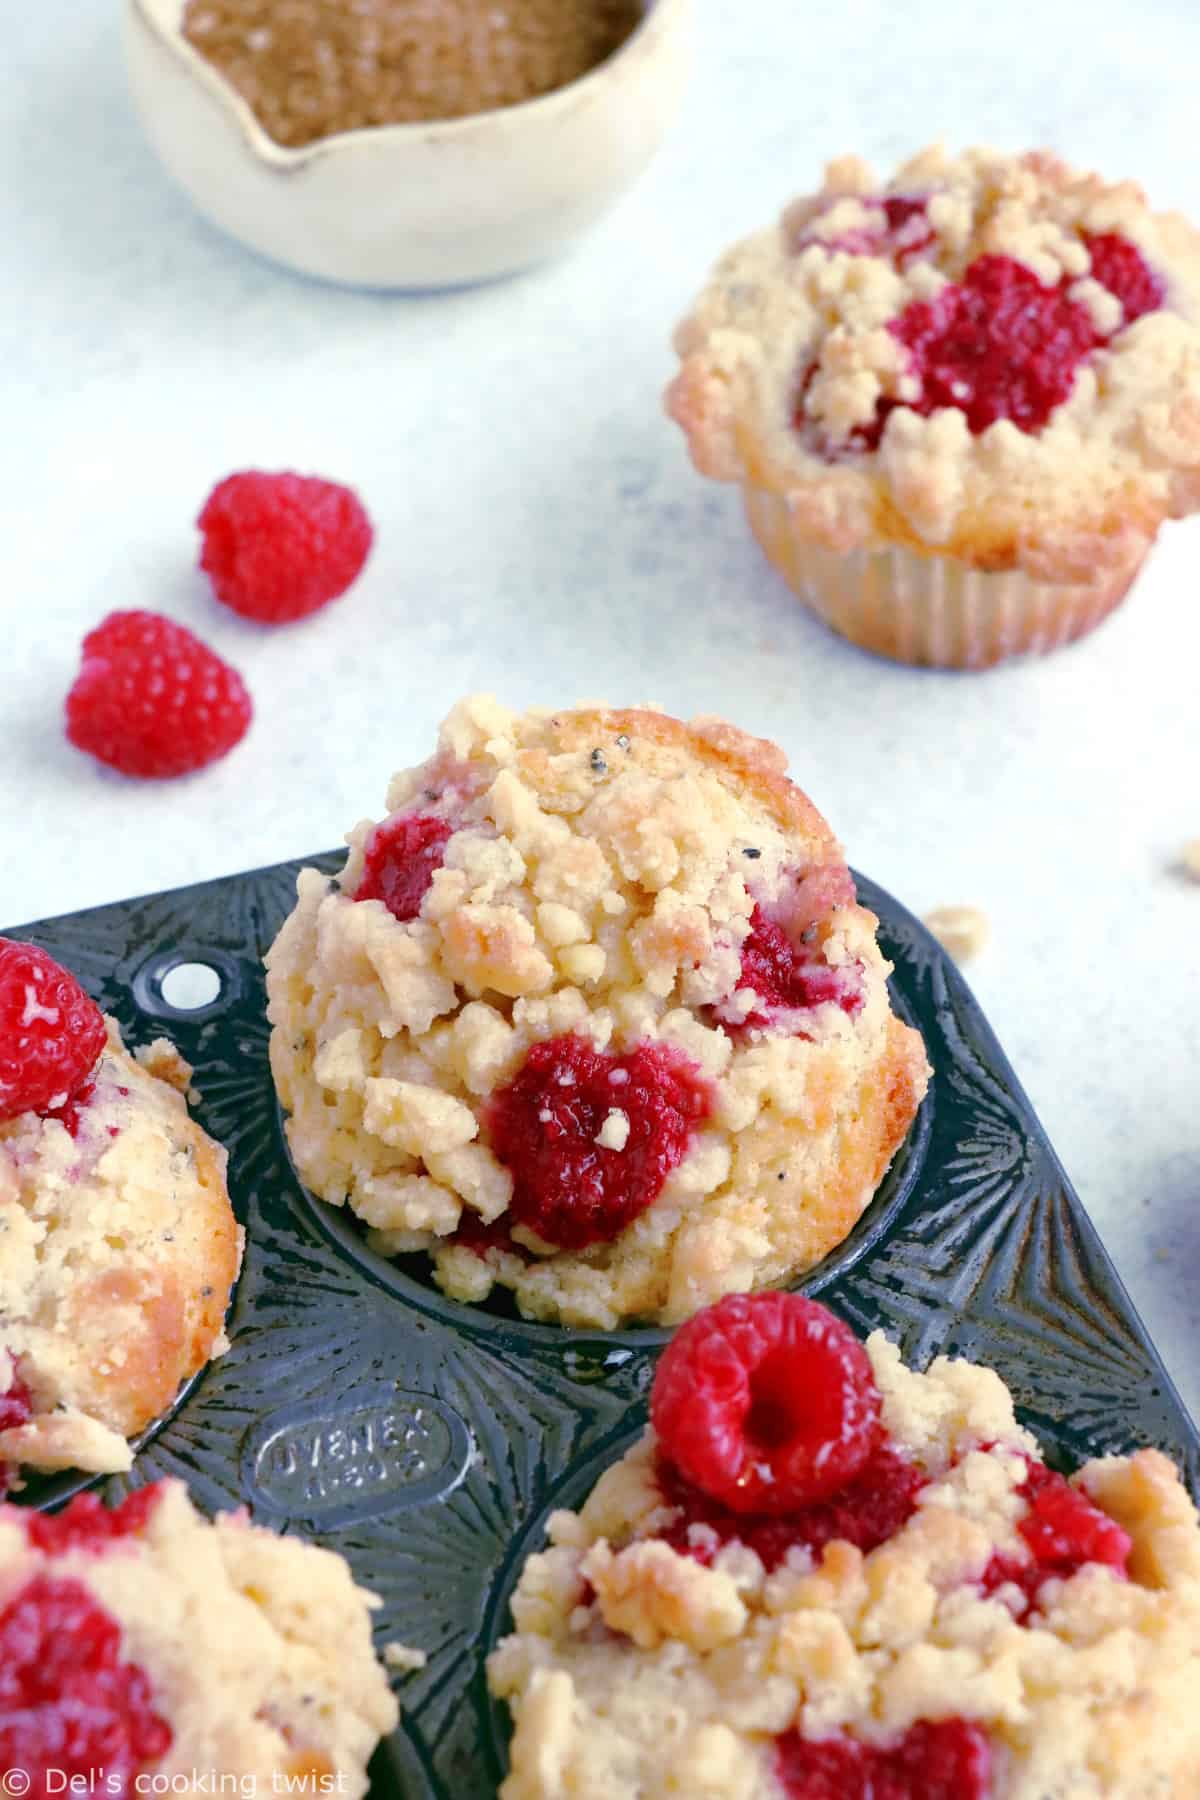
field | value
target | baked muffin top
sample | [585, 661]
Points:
[824, 1576]
[117, 1239]
[118, 1252]
[145, 1645]
[593, 1012]
[991, 356]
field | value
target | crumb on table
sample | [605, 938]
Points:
[962, 931]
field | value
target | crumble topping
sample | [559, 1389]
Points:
[637, 1667]
[990, 356]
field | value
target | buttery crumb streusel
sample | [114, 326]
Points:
[656, 1655]
[593, 1014]
[959, 403]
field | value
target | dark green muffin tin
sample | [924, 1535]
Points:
[426, 1440]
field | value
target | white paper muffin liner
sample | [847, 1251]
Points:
[931, 610]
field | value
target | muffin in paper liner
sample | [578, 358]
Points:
[960, 405]
[927, 609]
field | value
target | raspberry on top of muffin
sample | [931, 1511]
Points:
[823, 1576]
[989, 356]
[143, 1648]
[593, 1013]
[118, 1244]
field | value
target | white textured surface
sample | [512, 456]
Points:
[542, 534]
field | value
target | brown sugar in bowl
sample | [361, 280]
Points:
[418, 204]
[311, 68]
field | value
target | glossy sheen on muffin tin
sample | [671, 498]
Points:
[427, 1440]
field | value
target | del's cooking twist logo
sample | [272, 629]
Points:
[39, 1783]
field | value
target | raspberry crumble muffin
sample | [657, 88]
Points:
[593, 1013]
[822, 1576]
[118, 1245]
[142, 1646]
[959, 404]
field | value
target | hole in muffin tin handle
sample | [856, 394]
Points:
[187, 985]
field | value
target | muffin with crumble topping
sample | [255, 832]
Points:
[593, 1013]
[145, 1650]
[959, 404]
[118, 1243]
[821, 1575]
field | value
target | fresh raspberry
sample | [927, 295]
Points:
[68, 1702]
[71, 1111]
[16, 1409]
[1064, 1530]
[766, 1403]
[789, 975]
[543, 1126]
[86, 1523]
[949, 1760]
[51, 1032]
[152, 700]
[402, 856]
[834, 1768]
[16, 1404]
[902, 231]
[1120, 267]
[278, 547]
[999, 344]
[864, 241]
[1005, 1571]
[906, 238]
[1063, 1526]
[869, 1510]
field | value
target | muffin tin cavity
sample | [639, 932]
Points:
[425, 1440]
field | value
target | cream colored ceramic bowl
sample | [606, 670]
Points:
[410, 206]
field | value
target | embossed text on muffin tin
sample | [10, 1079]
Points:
[381, 1449]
